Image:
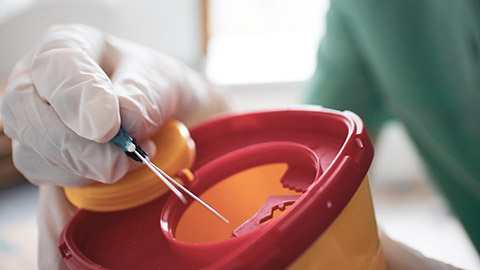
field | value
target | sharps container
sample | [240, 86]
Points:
[293, 184]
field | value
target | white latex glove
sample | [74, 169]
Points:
[67, 98]
[401, 257]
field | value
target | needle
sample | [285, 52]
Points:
[154, 169]
[169, 180]
[124, 141]
[193, 195]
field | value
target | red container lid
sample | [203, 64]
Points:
[328, 154]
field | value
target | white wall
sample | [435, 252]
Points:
[173, 27]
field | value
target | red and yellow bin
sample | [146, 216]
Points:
[292, 183]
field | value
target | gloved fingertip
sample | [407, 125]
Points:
[104, 131]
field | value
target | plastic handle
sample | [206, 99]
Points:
[123, 140]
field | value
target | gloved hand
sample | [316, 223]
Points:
[401, 257]
[67, 97]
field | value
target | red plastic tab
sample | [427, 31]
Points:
[266, 213]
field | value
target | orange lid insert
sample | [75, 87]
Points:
[175, 151]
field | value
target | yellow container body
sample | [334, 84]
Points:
[350, 242]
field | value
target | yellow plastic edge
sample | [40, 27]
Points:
[350, 242]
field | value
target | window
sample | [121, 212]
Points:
[262, 41]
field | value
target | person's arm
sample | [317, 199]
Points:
[342, 79]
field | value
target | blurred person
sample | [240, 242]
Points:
[66, 98]
[418, 62]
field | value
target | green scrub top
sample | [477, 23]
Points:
[417, 61]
